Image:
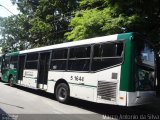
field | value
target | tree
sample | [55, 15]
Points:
[14, 34]
[40, 23]
[51, 21]
[103, 17]
[15, 28]
[47, 19]
[27, 7]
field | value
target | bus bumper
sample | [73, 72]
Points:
[140, 98]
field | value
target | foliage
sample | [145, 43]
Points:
[92, 23]
[45, 22]
[103, 17]
[27, 7]
[14, 33]
[50, 28]
[40, 23]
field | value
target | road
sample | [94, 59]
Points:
[28, 104]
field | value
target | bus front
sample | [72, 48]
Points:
[143, 73]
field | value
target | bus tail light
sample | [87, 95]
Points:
[121, 97]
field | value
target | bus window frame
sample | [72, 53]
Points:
[50, 57]
[4, 65]
[91, 57]
[10, 62]
[51, 60]
[78, 46]
[26, 55]
[122, 55]
[68, 53]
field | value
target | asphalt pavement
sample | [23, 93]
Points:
[27, 104]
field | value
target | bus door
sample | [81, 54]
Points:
[21, 62]
[43, 70]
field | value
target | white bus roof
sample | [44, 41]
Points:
[75, 43]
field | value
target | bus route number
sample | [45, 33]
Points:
[77, 78]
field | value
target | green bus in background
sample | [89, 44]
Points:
[115, 69]
[9, 68]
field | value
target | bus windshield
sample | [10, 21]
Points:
[145, 54]
[145, 70]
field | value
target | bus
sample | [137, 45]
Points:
[116, 69]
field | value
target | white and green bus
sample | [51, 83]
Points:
[116, 69]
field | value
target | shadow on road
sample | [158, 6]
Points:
[116, 110]
[2, 112]
[5, 116]
[102, 108]
[37, 92]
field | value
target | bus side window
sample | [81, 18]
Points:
[31, 65]
[107, 55]
[13, 62]
[32, 61]
[59, 59]
[79, 58]
[6, 62]
[97, 50]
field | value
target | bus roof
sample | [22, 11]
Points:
[76, 43]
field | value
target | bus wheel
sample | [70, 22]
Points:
[11, 81]
[62, 93]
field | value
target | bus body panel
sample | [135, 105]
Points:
[29, 78]
[84, 85]
[127, 81]
[79, 83]
[7, 73]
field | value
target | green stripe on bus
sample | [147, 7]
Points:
[76, 84]
[82, 84]
[126, 80]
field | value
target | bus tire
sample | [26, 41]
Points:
[11, 81]
[62, 93]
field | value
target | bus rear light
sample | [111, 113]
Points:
[121, 98]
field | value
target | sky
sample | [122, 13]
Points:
[4, 12]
